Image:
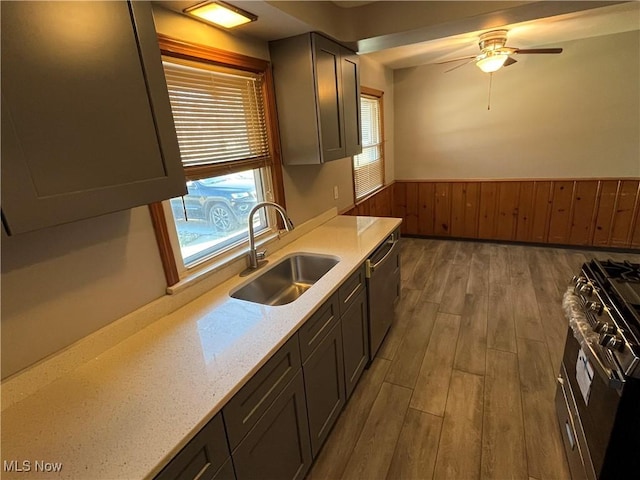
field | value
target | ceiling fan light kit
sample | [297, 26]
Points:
[494, 54]
[491, 62]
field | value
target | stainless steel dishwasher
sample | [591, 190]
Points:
[383, 289]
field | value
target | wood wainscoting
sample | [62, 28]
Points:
[378, 204]
[587, 212]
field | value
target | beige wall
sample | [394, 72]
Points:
[571, 115]
[308, 189]
[63, 283]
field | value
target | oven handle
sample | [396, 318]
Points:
[585, 337]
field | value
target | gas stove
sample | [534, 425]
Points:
[609, 293]
[599, 380]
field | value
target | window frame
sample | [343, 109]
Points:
[379, 95]
[172, 47]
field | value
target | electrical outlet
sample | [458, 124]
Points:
[335, 192]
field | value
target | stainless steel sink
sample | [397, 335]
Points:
[286, 280]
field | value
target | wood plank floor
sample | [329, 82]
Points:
[463, 386]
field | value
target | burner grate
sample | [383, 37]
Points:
[626, 271]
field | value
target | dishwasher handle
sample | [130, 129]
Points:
[371, 267]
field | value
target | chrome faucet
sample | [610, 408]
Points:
[256, 259]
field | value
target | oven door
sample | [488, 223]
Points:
[593, 404]
[575, 444]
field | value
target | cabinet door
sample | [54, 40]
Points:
[355, 341]
[328, 68]
[351, 102]
[203, 457]
[324, 385]
[86, 122]
[278, 445]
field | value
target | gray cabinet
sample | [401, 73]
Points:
[277, 447]
[253, 400]
[86, 122]
[266, 421]
[355, 337]
[355, 328]
[324, 387]
[317, 83]
[206, 456]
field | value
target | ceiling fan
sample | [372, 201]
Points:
[494, 54]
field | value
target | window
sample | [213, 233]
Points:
[368, 167]
[221, 108]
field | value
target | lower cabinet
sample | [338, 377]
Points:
[266, 421]
[278, 421]
[206, 456]
[324, 387]
[355, 339]
[277, 447]
[253, 400]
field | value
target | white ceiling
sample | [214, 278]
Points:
[400, 44]
[551, 31]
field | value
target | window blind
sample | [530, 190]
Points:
[368, 167]
[219, 117]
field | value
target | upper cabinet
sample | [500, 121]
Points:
[317, 83]
[86, 121]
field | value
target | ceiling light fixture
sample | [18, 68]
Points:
[492, 62]
[220, 14]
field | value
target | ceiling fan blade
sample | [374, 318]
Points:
[456, 59]
[473, 59]
[509, 61]
[538, 50]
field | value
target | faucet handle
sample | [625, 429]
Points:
[261, 254]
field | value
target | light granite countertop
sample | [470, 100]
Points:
[125, 413]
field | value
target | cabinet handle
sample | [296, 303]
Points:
[346, 300]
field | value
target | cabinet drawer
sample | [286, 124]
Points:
[318, 326]
[202, 457]
[350, 289]
[249, 404]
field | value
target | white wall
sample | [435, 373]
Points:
[576, 114]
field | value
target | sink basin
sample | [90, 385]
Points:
[286, 280]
